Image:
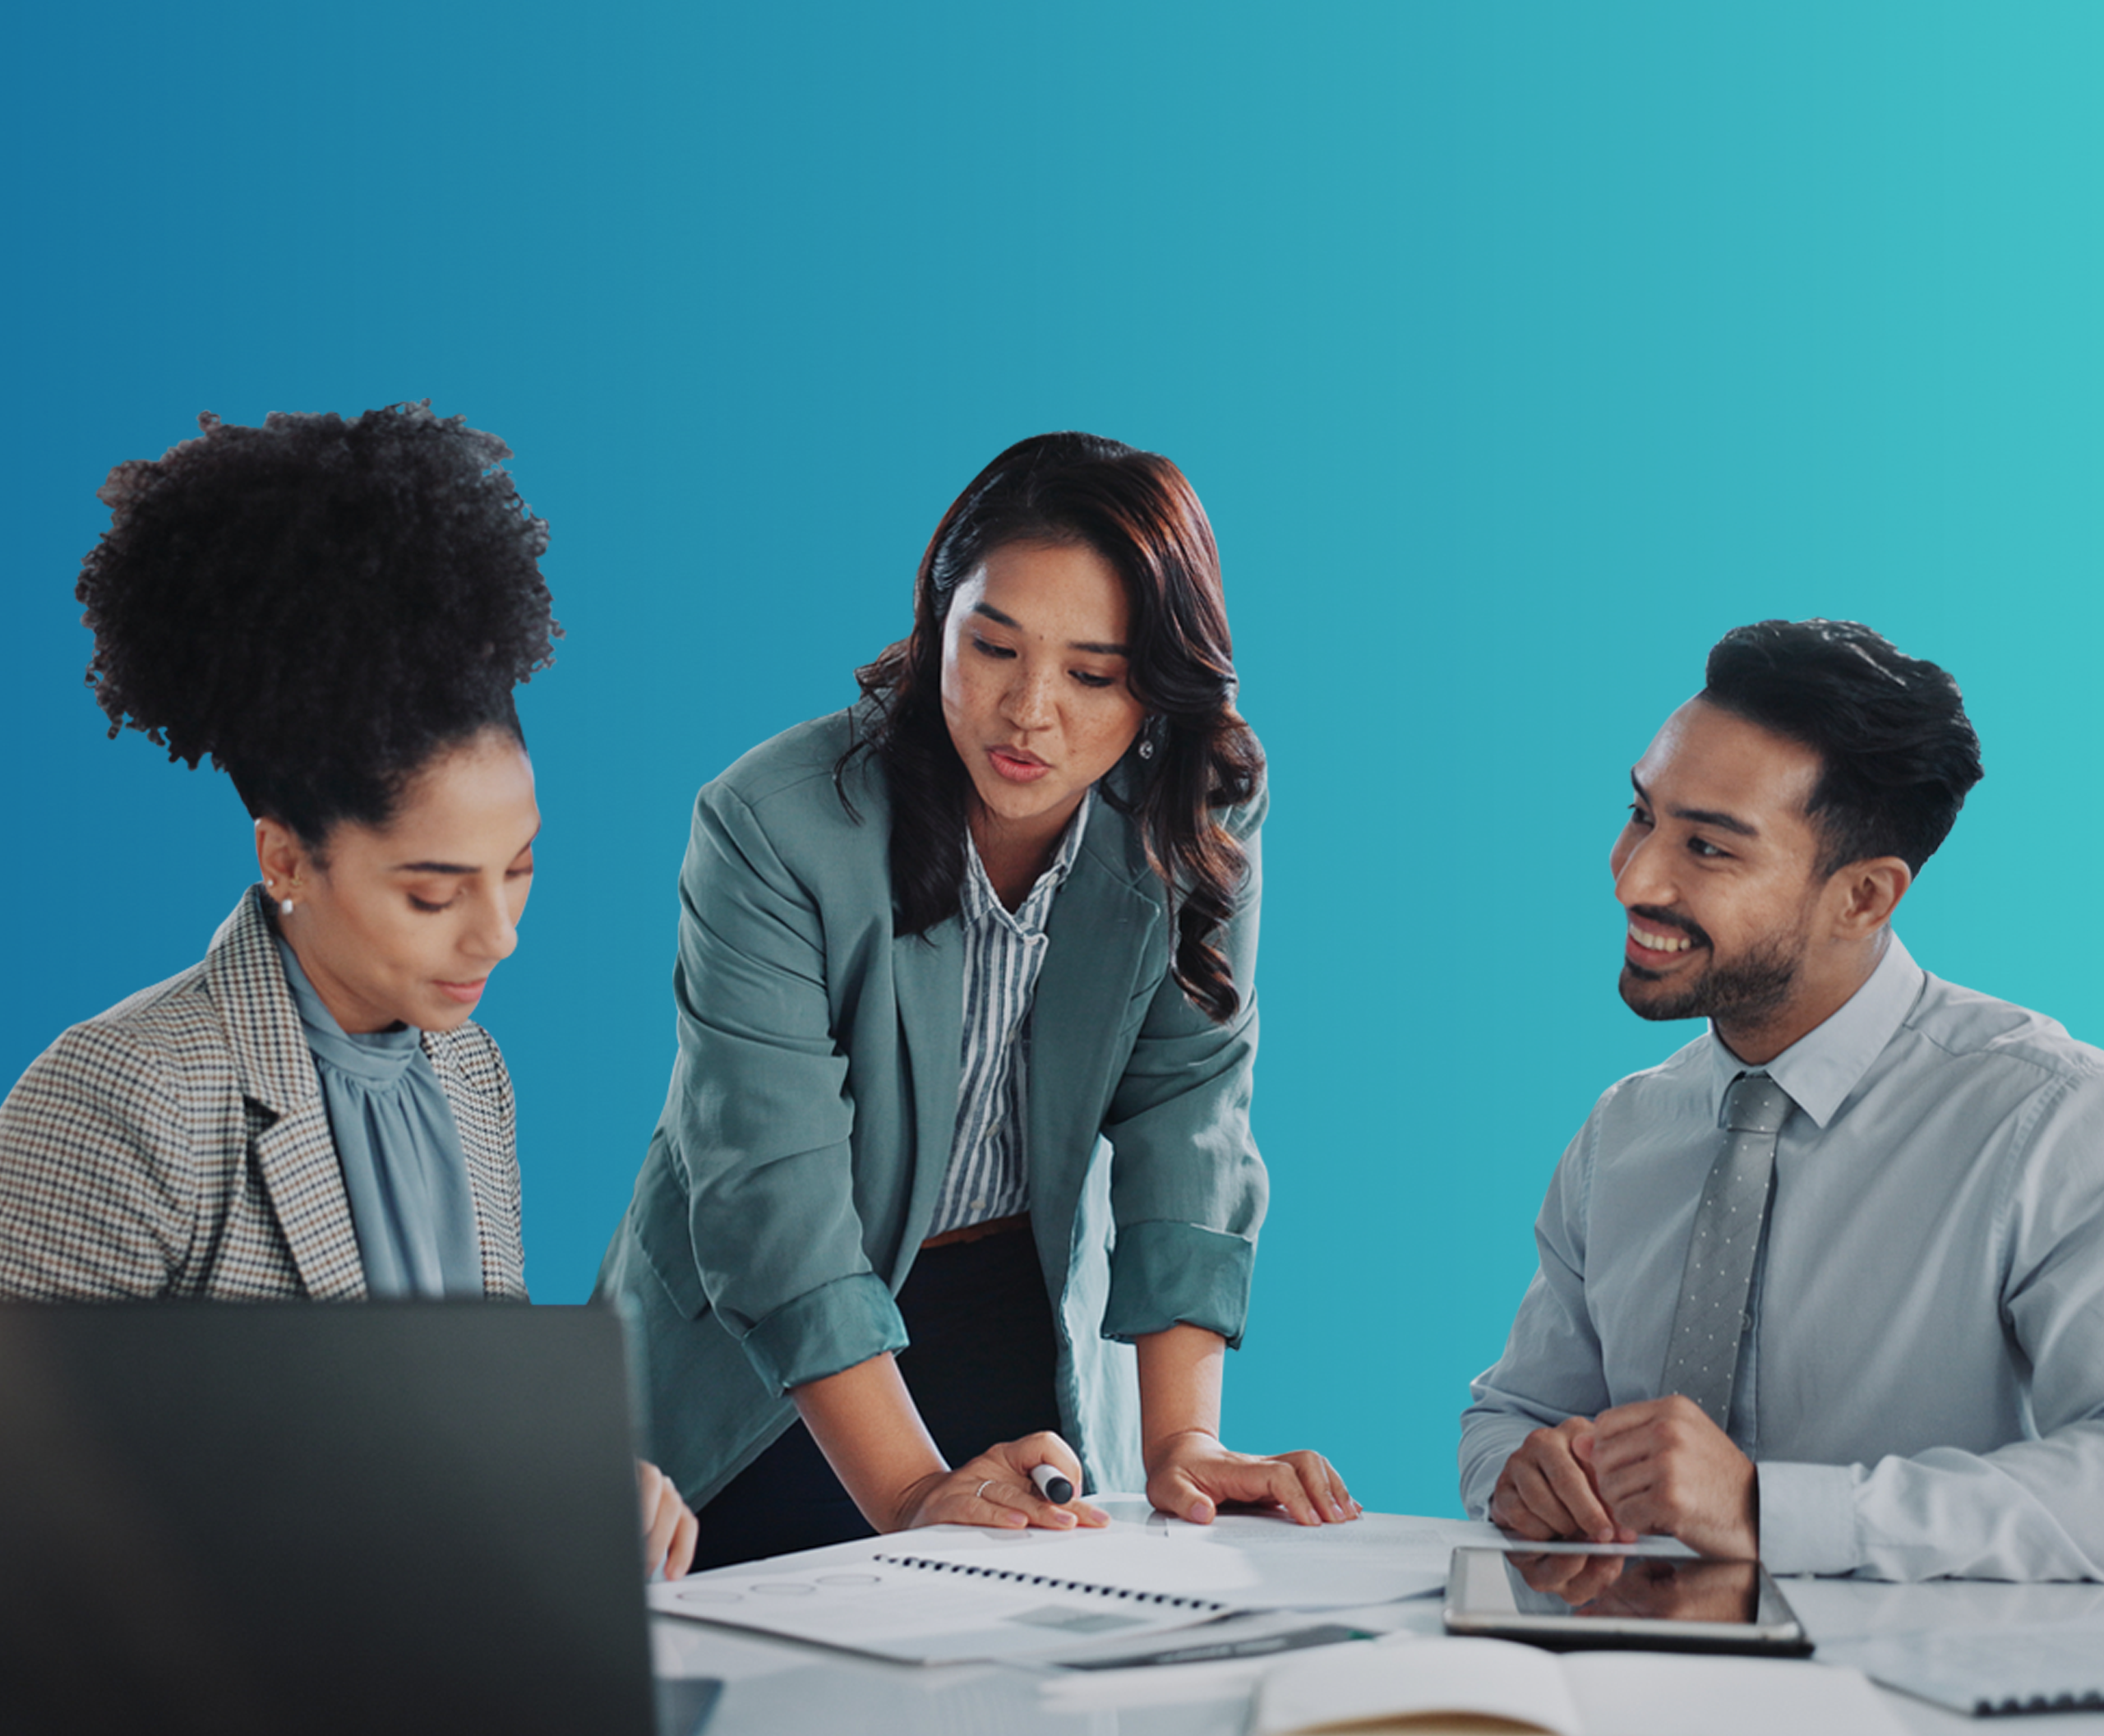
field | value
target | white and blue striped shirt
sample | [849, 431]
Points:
[1003, 952]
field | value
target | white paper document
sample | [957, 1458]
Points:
[947, 1593]
[2009, 1670]
[1253, 1561]
[896, 1600]
[1428, 1685]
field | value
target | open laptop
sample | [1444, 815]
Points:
[394, 1516]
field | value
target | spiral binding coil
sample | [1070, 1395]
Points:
[972, 1570]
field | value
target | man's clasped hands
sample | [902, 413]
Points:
[1661, 1466]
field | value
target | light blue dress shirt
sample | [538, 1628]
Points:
[1922, 1386]
[403, 1170]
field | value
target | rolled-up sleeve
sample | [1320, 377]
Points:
[1187, 1189]
[756, 1129]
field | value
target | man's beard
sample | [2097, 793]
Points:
[1743, 992]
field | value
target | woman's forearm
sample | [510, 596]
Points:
[867, 1426]
[1179, 1385]
[1189, 1472]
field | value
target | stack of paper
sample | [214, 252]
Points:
[948, 1593]
[1251, 1561]
[896, 1602]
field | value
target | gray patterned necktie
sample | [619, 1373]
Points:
[1702, 1356]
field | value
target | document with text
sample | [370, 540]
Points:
[895, 1600]
[947, 1593]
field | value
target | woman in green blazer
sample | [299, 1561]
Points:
[967, 1023]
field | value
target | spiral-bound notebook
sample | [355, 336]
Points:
[2056, 1668]
[881, 1598]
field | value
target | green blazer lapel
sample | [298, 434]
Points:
[927, 979]
[1083, 1010]
[295, 1152]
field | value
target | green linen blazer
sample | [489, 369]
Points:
[794, 1172]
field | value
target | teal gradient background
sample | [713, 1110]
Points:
[1517, 351]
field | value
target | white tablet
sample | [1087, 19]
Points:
[1567, 1600]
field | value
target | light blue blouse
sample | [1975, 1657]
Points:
[404, 1169]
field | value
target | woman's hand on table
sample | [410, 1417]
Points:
[1190, 1474]
[994, 1488]
[669, 1529]
[865, 1423]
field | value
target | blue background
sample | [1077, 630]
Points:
[1517, 351]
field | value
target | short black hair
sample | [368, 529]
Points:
[320, 606]
[1897, 751]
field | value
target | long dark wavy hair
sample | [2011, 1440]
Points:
[1136, 510]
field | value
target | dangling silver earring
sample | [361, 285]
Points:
[1148, 734]
[1147, 749]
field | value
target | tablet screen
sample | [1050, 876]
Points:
[1596, 1598]
[1641, 1588]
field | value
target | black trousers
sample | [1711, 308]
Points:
[980, 1367]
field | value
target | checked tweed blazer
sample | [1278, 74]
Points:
[176, 1146]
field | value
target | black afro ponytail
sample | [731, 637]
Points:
[319, 606]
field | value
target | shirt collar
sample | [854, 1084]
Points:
[981, 903]
[1823, 1066]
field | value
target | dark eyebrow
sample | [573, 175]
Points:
[1098, 646]
[1716, 817]
[455, 867]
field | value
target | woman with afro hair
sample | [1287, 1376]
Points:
[954, 1185]
[335, 613]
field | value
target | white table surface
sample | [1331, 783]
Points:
[777, 1686]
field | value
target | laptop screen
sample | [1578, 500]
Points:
[390, 1516]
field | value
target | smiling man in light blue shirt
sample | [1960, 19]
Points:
[1919, 1382]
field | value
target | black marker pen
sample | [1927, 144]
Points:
[1052, 1485]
